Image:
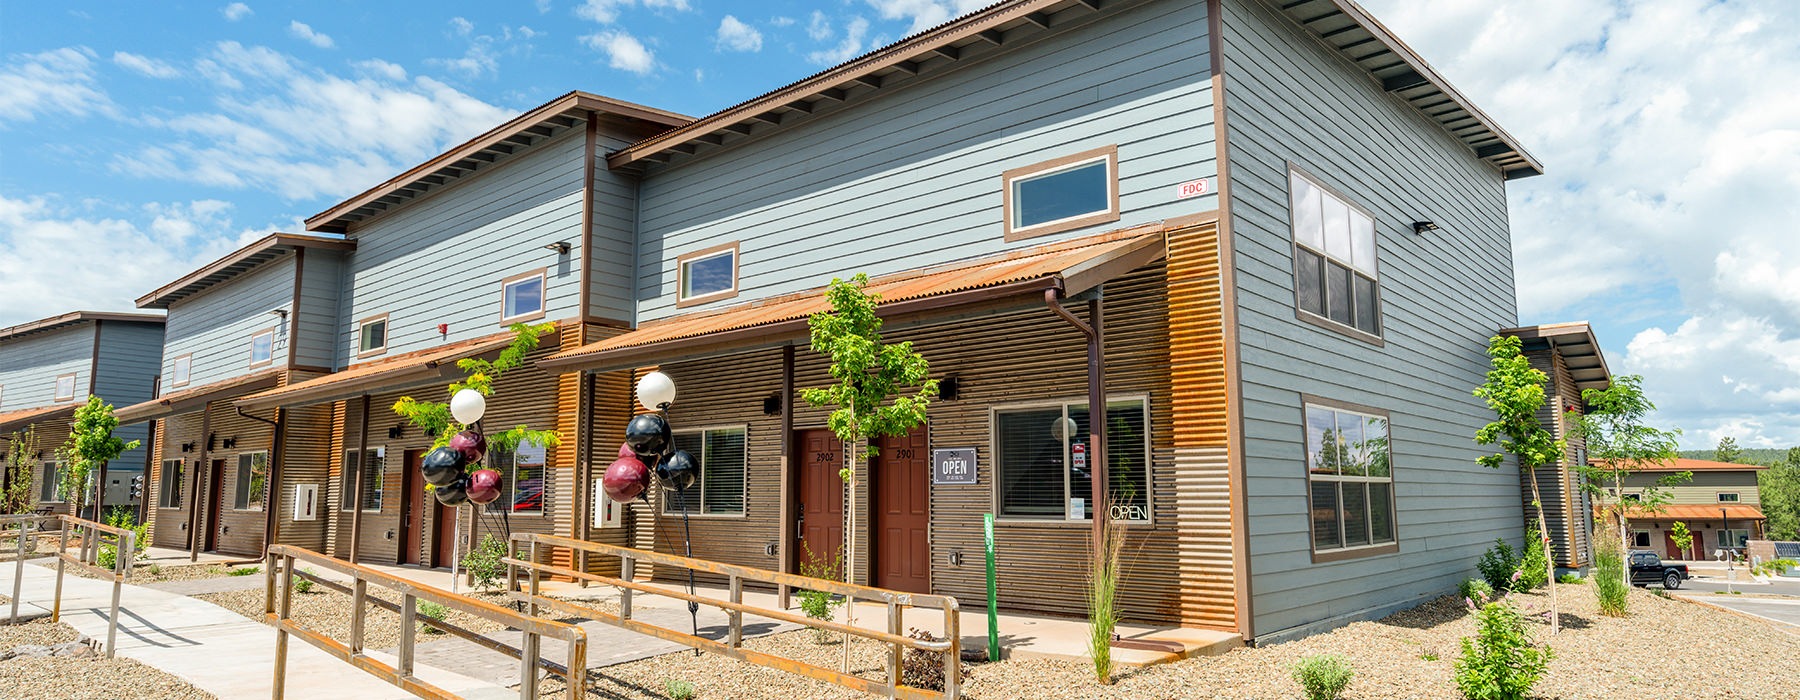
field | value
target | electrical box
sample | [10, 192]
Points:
[306, 501]
[608, 513]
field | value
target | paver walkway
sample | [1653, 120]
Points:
[220, 651]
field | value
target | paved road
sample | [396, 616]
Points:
[1707, 585]
[1784, 611]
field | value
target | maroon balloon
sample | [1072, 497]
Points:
[625, 451]
[625, 478]
[471, 444]
[484, 486]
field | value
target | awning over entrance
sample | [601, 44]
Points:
[1697, 512]
[193, 399]
[1580, 351]
[404, 371]
[18, 420]
[1074, 266]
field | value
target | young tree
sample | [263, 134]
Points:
[91, 442]
[1779, 488]
[1620, 444]
[1515, 392]
[866, 397]
[21, 463]
[1682, 537]
[1727, 451]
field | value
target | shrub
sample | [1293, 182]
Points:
[431, 610]
[1323, 677]
[924, 669]
[303, 585]
[1475, 590]
[122, 517]
[1571, 578]
[153, 569]
[819, 605]
[1609, 582]
[1103, 613]
[246, 571]
[1499, 662]
[1498, 564]
[1534, 568]
[484, 564]
[678, 689]
[1774, 567]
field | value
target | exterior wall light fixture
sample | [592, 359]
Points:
[561, 247]
[1421, 227]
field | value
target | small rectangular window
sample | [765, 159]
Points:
[522, 297]
[65, 387]
[1061, 195]
[724, 456]
[707, 275]
[1043, 468]
[1728, 498]
[252, 480]
[262, 348]
[374, 470]
[1334, 258]
[50, 476]
[521, 478]
[169, 483]
[1640, 538]
[1352, 490]
[372, 336]
[181, 370]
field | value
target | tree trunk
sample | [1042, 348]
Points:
[1537, 502]
[1624, 528]
[852, 454]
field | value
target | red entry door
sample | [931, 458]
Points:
[903, 513]
[821, 496]
[412, 500]
[443, 538]
[215, 499]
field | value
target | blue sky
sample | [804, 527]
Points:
[138, 140]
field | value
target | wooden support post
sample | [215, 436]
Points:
[201, 467]
[409, 628]
[122, 546]
[736, 638]
[62, 551]
[895, 650]
[789, 530]
[362, 459]
[281, 633]
[358, 611]
[528, 668]
[627, 573]
[953, 658]
[532, 608]
[18, 574]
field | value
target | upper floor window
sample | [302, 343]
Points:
[1058, 195]
[252, 480]
[169, 483]
[1348, 465]
[522, 297]
[1044, 467]
[182, 370]
[372, 335]
[723, 456]
[262, 348]
[65, 387]
[1334, 258]
[707, 275]
[1728, 498]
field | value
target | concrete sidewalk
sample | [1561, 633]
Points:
[216, 649]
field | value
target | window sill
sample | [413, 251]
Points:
[710, 516]
[1333, 555]
[522, 318]
[1339, 328]
[685, 302]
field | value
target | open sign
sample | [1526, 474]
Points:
[955, 466]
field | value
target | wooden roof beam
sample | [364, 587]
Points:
[993, 36]
[1038, 18]
[908, 67]
[769, 117]
[948, 51]
[741, 128]
[834, 94]
[870, 80]
[1090, 4]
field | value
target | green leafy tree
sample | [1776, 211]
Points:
[1515, 391]
[1621, 443]
[21, 463]
[867, 400]
[1779, 489]
[1682, 537]
[91, 442]
[1727, 451]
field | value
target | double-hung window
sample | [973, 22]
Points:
[522, 297]
[707, 275]
[50, 485]
[1348, 466]
[372, 336]
[374, 471]
[181, 369]
[169, 484]
[723, 454]
[262, 348]
[65, 387]
[1335, 276]
[521, 478]
[1044, 462]
[1077, 190]
[252, 480]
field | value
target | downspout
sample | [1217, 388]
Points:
[150, 455]
[1093, 330]
[201, 468]
[362, 459]
[789, 530]
[272, 491]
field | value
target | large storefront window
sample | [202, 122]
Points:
[723, 457]
[1347, 460]
[521, 478]
[1044, 462]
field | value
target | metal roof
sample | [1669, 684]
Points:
[73, 318]
[235, 263]
[1580, 351]
[403, 371]
[195, 398]
[14, 420]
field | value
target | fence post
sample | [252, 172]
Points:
[528, 668]
[953, 663]
[737, 617]
[62, 547]
[512, 570]
[121, 559]
[18, 573]
[281, 634]
[409, 626]
[271, 566]
[358, 607]
[577, 665]
[893, 661]
[532, 606]
[627, 572]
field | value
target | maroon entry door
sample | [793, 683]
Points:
[443, 535]
[903, 514]
[215, 497]
[821, 496]
[412, 508]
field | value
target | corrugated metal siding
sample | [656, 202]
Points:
[1558, 483]
[29, 366]
[216, 324]
[306, 459]
[611, 405]
[169, 525]
[242, 531]
[1291, 99]
[916, 174]
[1203, 505]
[49, 434]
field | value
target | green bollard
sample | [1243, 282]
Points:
[987, 524]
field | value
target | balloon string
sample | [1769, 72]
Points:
[687, 542]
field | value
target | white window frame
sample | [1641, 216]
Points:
[543, 300]
[375, 482]
[685, 297]
[1011, 179]
[387, 335]
[241, 485]
[270, 334]
[1321, 247]
[1733, 494]
[696, 498]
[167, 487]
[70, 394]
[181, 370]
[1066, 405]
[1648, 542]
[1342, 550]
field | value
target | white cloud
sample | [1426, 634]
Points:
[847, 48]
[55, 82]
[607, 11]
[461, 26]
[305, 33]
[734, 35]
[925, 14]
[382, 69]
[44, 235]
[782, 21]
[623, 51]
[818, 26]
[144, 65]
[1721, 375]
[236, 11]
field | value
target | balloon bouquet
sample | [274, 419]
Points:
[446, 468]
[650, 447]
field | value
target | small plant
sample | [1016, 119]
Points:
[432, 610]
[484, 564]
[1534, 568]
[1609, 582]
[1476, 590]
[924, 669]
[246, 571]
[1429, 656]
[1774, 567]
[1572, 579]
[819, 605]
[153, 569]
[1498, 564]
[678, 689]
[1323, 677]
[302, 584]
[1658, 592]
[1103, 611]
[1499, 662]
[122, 518]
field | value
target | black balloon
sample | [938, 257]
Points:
[442, 466]
[648, 436]
[453, 494]
[680, 470]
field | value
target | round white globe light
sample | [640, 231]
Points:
[468, 406]
[656, 391]
[1064, 429]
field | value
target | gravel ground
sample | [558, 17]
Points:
[1664, 646]
[328, 611]
[65, 677]
[158, 573]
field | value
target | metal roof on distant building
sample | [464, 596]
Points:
[238, 262]
[74, 318]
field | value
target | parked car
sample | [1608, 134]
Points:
[1647, 568]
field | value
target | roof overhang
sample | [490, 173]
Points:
[1690, 512]
[547, 120]
[1580, 351]
[238, 262]
[74, 318]
[989, 284]
[188, 400]
[406, 371]
[17, 420]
